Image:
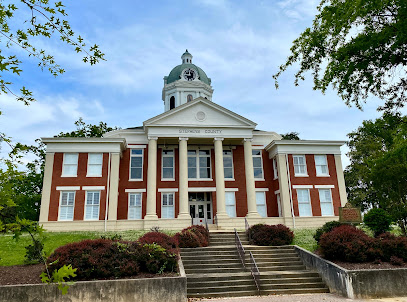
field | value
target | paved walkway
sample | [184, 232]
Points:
[301, 298]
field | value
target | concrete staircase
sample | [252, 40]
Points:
[216, 271]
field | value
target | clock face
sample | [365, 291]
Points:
[189, 74]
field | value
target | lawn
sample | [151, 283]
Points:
[304, 238]
[12, 252]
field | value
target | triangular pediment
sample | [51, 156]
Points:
[200, 113]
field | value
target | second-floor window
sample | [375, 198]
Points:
[321, 165]
[199, 164]
[136, 164]
[70, 165]
[168, 164]
[95, 161]
[228, 164]
[300, 166]
[257, 164]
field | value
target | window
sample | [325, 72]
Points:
[228, 164]
[136, 164]
[172, 102]
[300, 167]
[168, 164]
[95, 161]
[134, 206]
[190, 98]
[275, 168]
[230, 203]
[261, 203]
[257, 164]
[167, 205]
[66, 205]
[199, 164]
[325, 199]
[304, 202]
[70, 166]
[321, 165]
[92, 205]
[279, 205]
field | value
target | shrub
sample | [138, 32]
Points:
[102, 258]
[167, 242]
[378, 220]
[327, 227]
[201, 232]
[396, 261]
[389, 245]
[267, 235]
[188, 239]
[347, 243]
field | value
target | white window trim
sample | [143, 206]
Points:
[327, 167]
[332, 202]
[305, 163]
[275, 168]
[233, 166]
[162, 165]
[135, 190]
[302, 186]
[93, 188]
[63, 165]
[324, 186]
[278, 200]
[231, 189]
[101, 169]
[262, 164]
[197, 164]
[202, 189]
[309, 200]
[162, 199]
[128, 205]
[277, 192]
[132, 146]
[62, 188]
[261, 189]
[265, 201]
[142, 164]
[59, 208]
[168, 190]
[84, 212]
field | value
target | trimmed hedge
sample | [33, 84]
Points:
[103, 259]
[268, 235]
[192, 237]
[167, 242]
[327, 227]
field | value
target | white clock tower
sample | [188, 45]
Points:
[185, 83]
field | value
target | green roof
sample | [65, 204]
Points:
[175, 73]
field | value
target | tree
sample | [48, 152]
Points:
[46, 20]
[290, 136]
[377, 174]
[358, 47]
[83, 130]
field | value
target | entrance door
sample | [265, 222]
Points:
[200, 207]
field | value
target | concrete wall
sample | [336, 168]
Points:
[357, 283]
[173, 289]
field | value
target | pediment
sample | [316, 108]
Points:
[200, 113]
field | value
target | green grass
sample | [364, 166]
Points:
[304, 238]
[12, 252]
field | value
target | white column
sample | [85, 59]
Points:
[151, 212]
[114, 186]
[183, 179]
[341, 180]
[250, 185]
[285, 198]
[46, 187]
[220, 178]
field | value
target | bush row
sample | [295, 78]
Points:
[347, 243]
[155, 252]
[266, 235]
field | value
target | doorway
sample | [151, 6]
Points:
[200, 207]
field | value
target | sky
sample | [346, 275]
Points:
[239, 44]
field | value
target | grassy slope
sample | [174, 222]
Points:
[304, 238]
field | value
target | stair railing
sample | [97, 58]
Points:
[206, 225]
[255, 271]
[240, 248]
[247, 227]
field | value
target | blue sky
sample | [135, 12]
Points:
[239, 44]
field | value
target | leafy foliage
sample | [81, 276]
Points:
[327, 227]
[290, 136]
[167, 242]
[89, 130]
[378, 220]
[193, 236]
[357, 47]
[60, 276]
[377, 173]
[270, 235]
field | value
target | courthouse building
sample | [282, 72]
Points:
[197, 162]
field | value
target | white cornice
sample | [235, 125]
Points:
[304, 147]
[84, 145]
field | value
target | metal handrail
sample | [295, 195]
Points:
[247, 227]
[206, 225]
[240, 248]
[216, 221]
[255, 271]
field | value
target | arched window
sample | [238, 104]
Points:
[172, 102]
[189, 98]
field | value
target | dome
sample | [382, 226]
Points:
[175, 73]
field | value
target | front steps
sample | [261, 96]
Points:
[216, 271]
